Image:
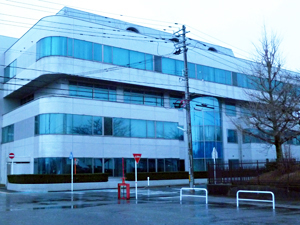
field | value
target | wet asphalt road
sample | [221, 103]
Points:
[154, 206]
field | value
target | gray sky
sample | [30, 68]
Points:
[235, 24]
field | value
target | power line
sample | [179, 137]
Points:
[123, 35]
[223, 63]
[78, 12]
[96, 34]
[217, 40]
[25, 7]
[70, 24]
[97, 11]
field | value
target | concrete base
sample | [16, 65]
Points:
[219, 189]
[112, 183]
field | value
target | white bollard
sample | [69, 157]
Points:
[148, 178]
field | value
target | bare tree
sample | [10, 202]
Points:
[271, 114]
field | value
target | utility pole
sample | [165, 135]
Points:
[188, 110]
[186, 102]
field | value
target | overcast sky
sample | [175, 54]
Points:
[235, 24]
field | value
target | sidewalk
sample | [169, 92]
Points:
[111, 184]
[232, 201]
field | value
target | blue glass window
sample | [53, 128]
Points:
[253, 82]
[139, 128]
[10, 71]
[59, 46]
[97, 125]
[49, 124]
[296, 141]
[242, 80]
[192, 70]
[112, 94]
[101, 93]
[121, 127]
[247, 138]
[63, 46]
[107, 54]
[208, 73]
[105, 93]
[153, 99]
[168, 66]
[97, 52]
[159, 129]
[209, 133]
[44, 47]
[149, 62]
[232, 136]
[234, 79]
[158, 63]
[143, 98]
[230, 109]
[69, 123]
[160, 165]
[223, 76]
[82, 125]
[108, 127]
[81, 90]
[137, 60]
[200, 75]
[134, 97]
[70, 47]
[170, 130]
[209, 117]
[8, 134]
[83, 49]
[206, 128]
[56, 123]
[150, 129]
[197, 134]
[120, 57]
[171, 165]
[179, 68]
[174, 99]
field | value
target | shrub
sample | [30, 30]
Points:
[54, 179]
[164, 175]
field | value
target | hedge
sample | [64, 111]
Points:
[54, 179]
[165, 175]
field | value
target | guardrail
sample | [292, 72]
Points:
[255, 200]
[199, 196]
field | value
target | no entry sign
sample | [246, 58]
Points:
[11, 155]
[137, 157]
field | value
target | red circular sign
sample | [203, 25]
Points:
[11, 155]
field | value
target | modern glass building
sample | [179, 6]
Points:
[103, 89]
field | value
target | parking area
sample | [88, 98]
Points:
[154, 206]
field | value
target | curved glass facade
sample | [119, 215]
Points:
[112, 166]
[80, 49]
[206, 130]
[59, 123]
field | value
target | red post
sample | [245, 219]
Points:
[74, 166]
[123, 184]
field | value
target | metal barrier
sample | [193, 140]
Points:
[255, 200]
[200, 196]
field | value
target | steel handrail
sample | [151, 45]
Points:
[255, 200]
[200, 196]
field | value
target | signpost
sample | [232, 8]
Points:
[137, 158]
[12, 156]
[214, 155]
[71, 157]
